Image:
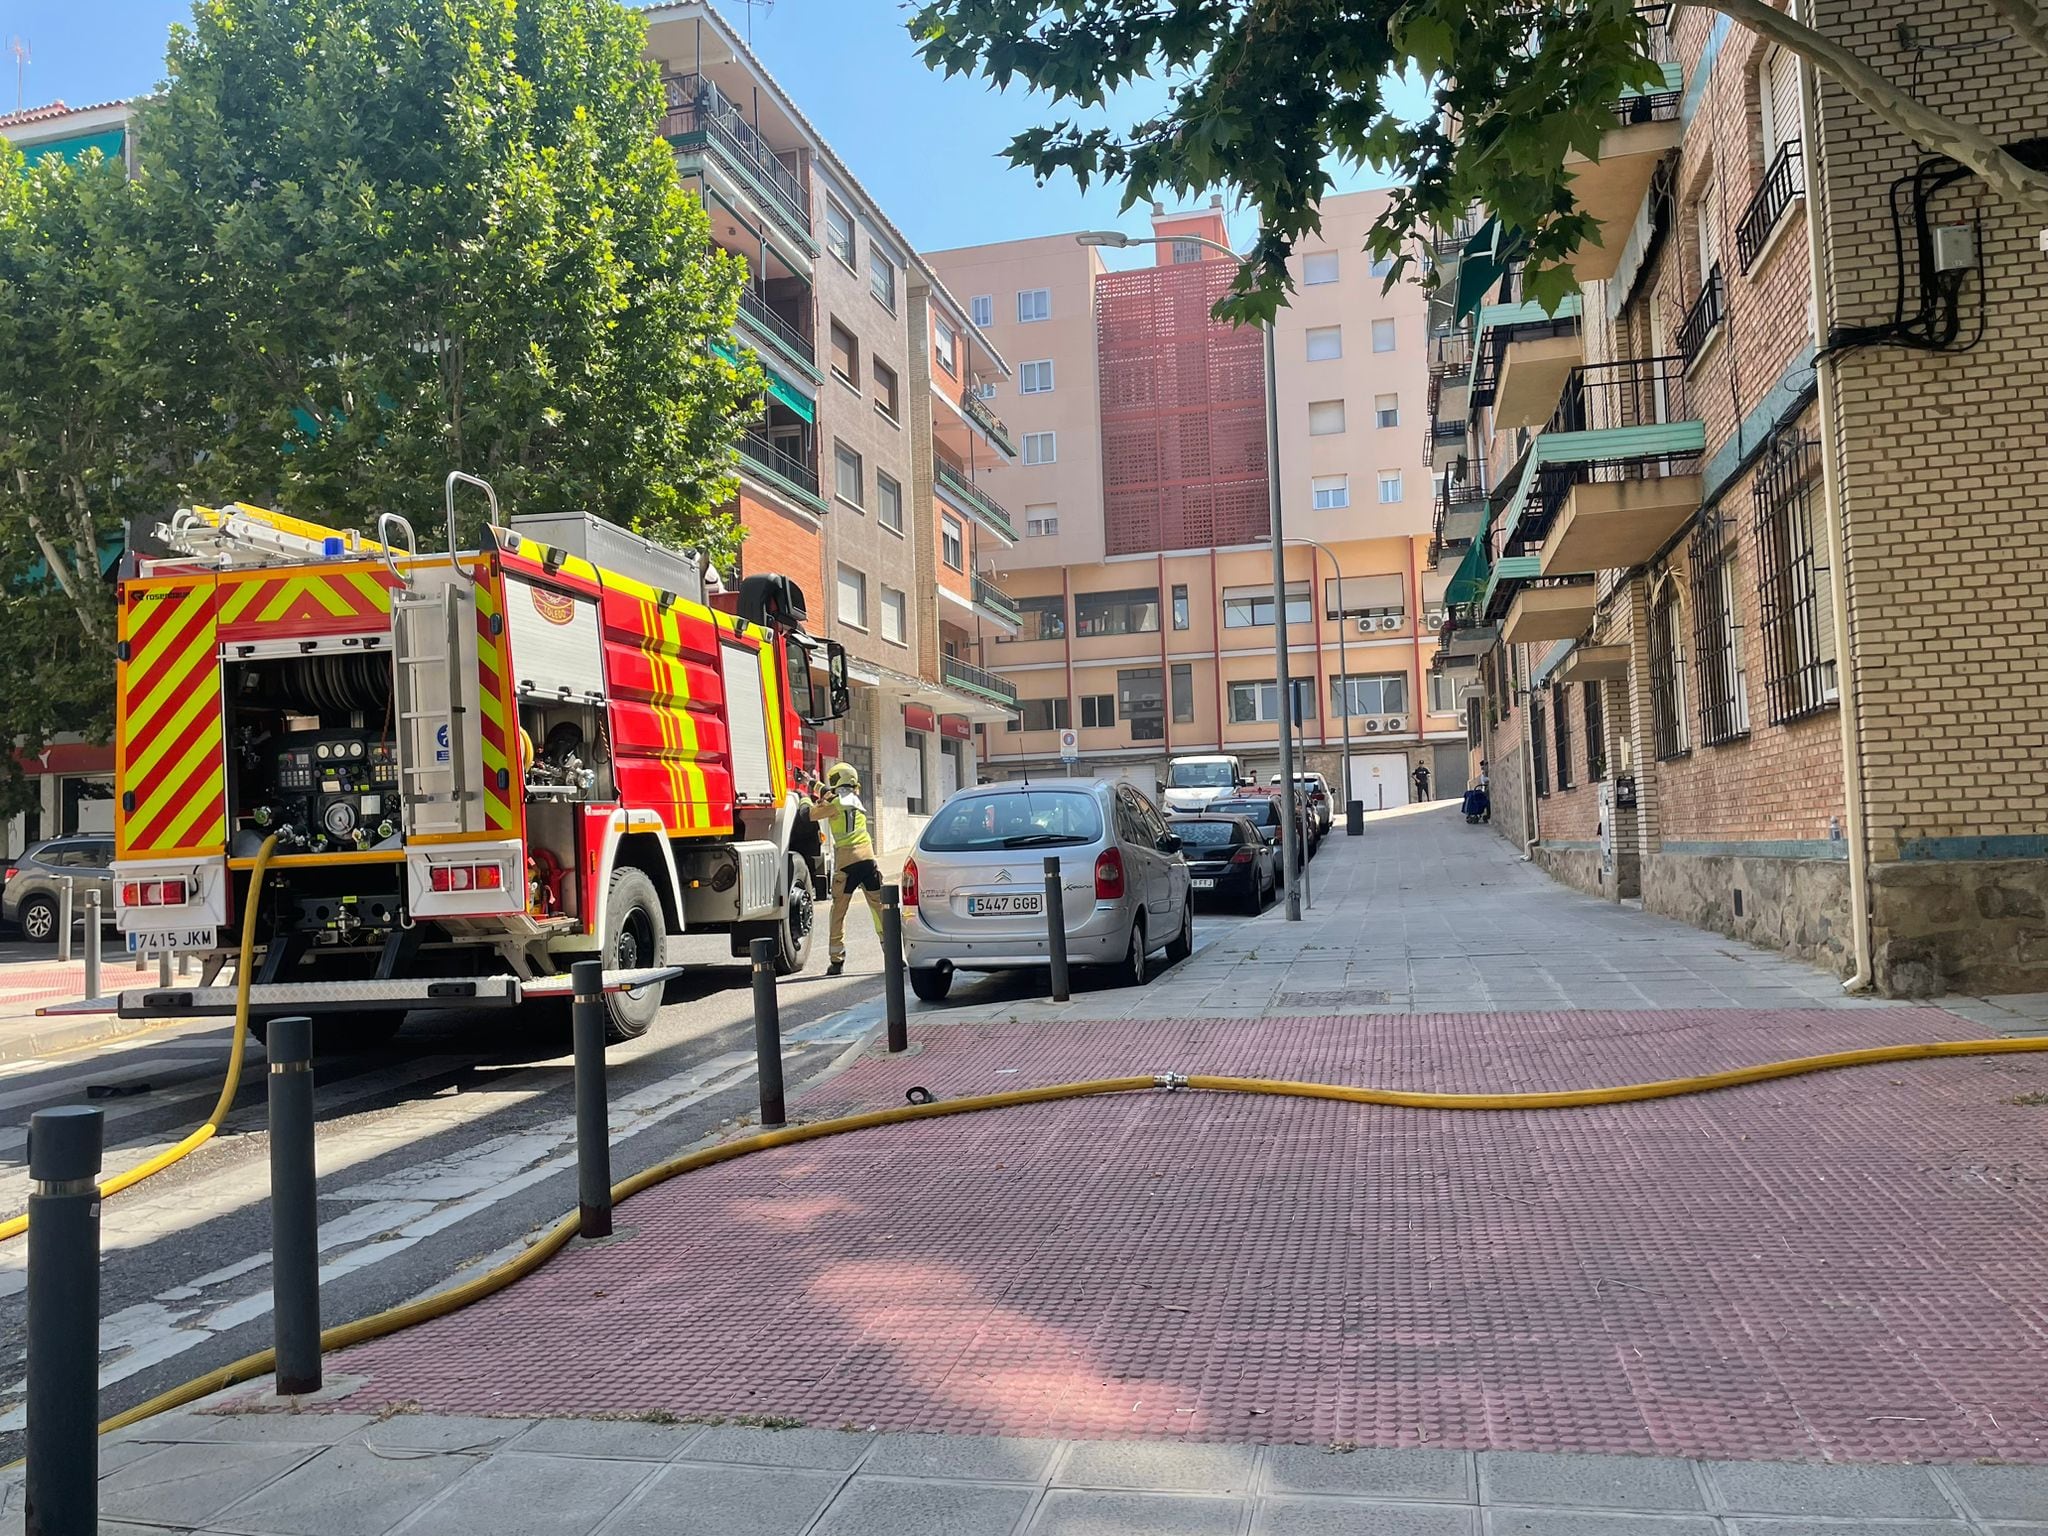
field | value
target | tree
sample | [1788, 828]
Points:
[1262, 91]
[367, 242]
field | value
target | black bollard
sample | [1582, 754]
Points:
[1354, 818]
[294, 1208]
[593, 1111]
[1056, 927]
[63, 1320]
[767, 1033]
[892, 969]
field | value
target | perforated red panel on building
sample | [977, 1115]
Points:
[1183, 412]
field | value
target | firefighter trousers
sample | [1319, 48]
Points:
[855, 877]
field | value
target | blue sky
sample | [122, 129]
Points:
[927, 148]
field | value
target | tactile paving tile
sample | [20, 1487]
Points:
[1849, 1266]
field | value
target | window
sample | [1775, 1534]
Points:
[1382, 265]
[1595, 705]
[1717, 634]
[1325, 418]
[1561, 713]
[853, 597]
[1134, 611]
[1041, 521]
[1330, 491]
[981, 309]
[1139, 702]
[1361, 596]
[1383, 335]
[845, 355]
[913, 804]
[1382, 693]
[983, 391]
[882, 277]
[1325, 342]
[1041, 447]
[1185, 251]
[1386, 410]
[1035, 378]
[1794, 604]
[885, 389]
[1034, 304]
[1667, 675]
[1183, 693]
[1098, 710]
[1042, 715]
[952, 541]
[1443, 694]
[892, 616]
[847, 482]
[1045, 618]
[1319, 267]
[1259, 702]
[1252, 607]
[888, 502]
[1539, 744]
[1390, 487]
[839, 232]
[1180, 607]
[945, 347]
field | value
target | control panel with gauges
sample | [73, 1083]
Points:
[331, 790]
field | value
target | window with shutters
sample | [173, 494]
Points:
[1325, 418]
[1717, 634]
[1328, 492]
[1669, 727]
[845, 355]
[1794, 601]
[1325, 342]
[952, 541]
[1596, 733]
[1319, 267]
[1561, 718]
[1386, 410]
[1783, 181]
[1539, 744]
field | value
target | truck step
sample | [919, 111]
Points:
[343, 996]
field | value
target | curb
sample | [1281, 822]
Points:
[50, 1037]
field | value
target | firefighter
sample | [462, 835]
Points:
[838, 808]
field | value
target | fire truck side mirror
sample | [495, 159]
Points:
[835, 670]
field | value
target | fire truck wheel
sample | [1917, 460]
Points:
[799, 919]
[634, 939]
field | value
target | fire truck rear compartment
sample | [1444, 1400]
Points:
[312, 754]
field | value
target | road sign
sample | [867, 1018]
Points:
[1070, 747]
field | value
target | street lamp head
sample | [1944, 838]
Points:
[1116, 239]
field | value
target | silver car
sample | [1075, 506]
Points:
[974, 889]
[32, 896]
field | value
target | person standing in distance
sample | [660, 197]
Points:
[1421, 781]
[838, 809]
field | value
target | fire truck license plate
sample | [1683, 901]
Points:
[1009, 904]
[157, 941]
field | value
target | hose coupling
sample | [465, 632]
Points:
[1170, 1080]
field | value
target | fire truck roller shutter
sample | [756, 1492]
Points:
[555, 652]
[746, 713]
[671, 748]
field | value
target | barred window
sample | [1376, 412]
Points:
[1561, 714]
[1717, 633]
[1795, 608]
[1538, 744]
[1596, 732]
[1667, 674]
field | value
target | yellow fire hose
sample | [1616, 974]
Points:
[16, 1225]
[378, 1324]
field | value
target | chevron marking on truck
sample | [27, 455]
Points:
[173, 773]
[501, 814]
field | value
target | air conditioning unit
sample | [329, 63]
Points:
[1365, 626]
[1434, 618]
[1390, 621]
[1372, 724]
[1396, 723]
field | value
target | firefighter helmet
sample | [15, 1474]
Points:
[842, 776]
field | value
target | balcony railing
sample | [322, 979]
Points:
[1641, 393]
[697, 108]
[756, 309]
[989, 596]
[1784, 183]
[978, 412]
[973, 500]
[764, 453]
[1703, 319]
[962, 675]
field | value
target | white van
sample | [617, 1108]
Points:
[1192, 782]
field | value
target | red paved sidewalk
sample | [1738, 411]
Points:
[1852, 1266]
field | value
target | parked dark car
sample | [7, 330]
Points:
[1228, 859]
[1263, 812]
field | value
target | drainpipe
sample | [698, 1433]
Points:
[1529, 758]
[1838, 540]
[1165, 611]
[1216, 643]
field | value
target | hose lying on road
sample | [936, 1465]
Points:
[14, 1226]
[551, 1242]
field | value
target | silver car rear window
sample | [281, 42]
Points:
[1039, 818]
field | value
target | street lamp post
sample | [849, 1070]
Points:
[1343, 668]
[1291, 850]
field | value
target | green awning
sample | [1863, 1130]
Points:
[111, 144]
[1484, 262]
[778, 387]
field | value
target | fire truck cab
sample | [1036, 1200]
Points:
[479, 766]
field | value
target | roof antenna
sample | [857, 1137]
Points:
[18, 46]
[765, 5]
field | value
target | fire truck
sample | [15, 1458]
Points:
[479, 766]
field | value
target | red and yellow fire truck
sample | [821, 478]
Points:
[479, 766]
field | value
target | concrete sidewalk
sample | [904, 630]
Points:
[29, 984]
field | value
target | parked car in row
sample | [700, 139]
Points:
[31, 898]
[973, 891]
[1264, 812]
[1228, 859]
[1313, 790]
[1192, 782]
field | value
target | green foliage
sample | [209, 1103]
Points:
[368, 241]
[1261, 92]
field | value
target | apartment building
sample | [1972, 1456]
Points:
[837, 477]
[1751, 617]
[1143, 580]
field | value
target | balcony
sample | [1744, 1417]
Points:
[1550, 611]
[700, 120]
[1783, 185]
[1522, 358]
[1702, 322]
[996, 604]
[992, 427]
[1460, 509]
[964, 496]
[765, 459]
[768, 333]
[974, 680]
[1611, 185]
